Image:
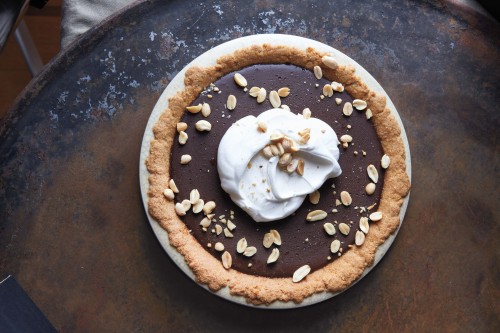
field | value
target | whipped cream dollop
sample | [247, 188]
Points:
[257, 184]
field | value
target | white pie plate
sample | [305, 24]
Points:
[209, 59]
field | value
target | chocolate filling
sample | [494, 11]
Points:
[302, 242]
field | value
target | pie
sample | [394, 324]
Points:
[331, 240]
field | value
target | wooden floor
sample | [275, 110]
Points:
[45, 29]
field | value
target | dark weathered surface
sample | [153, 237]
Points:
[72, 226]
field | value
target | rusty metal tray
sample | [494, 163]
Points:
[72, 225]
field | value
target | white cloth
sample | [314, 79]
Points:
[79, 16]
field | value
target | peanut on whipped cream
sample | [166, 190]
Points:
[258, 184]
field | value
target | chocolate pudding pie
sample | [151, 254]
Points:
[276, 173]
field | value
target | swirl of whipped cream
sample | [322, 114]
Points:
[257, 184]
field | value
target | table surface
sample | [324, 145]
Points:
[73, 229]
